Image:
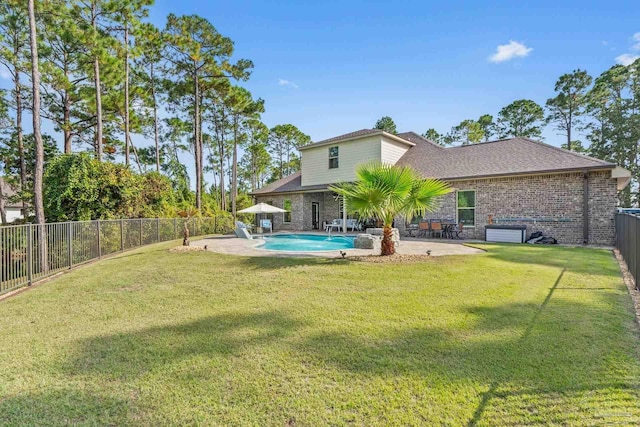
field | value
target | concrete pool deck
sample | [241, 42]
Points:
[232, 245]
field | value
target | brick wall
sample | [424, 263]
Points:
[307, 200]
[603, 197]
[301, 218]
[555, 197]
[550, 197]
[297, 212]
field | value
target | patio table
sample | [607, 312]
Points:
[447, 229]
[330, 227]
[413, 228]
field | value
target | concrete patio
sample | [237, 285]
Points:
[232, 245]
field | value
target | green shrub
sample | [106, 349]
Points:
[77, 187]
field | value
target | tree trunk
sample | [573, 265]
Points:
[223, 195]
[67, 123]
[126, 95]
[20, 138]
[234, 169]
[254, 174]
[387, 246]
[96, 72]
[3, 212]
[185, 234]
[288, 160]
[66, 101]
[569, 124]
[39, 149]
[197, 147]
[135, 155]
[19, 133]
[155, 118]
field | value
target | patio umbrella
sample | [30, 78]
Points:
[262, 208]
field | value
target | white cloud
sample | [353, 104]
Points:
[636, 41]
[629, 58]
[4, 73]
[506, 52]
[283, 82]
[626, 59]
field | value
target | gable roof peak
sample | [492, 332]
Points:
[414, 137]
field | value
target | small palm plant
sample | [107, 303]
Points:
[385, 192]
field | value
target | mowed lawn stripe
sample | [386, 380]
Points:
[518, 335]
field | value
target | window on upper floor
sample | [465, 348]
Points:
[333, 158]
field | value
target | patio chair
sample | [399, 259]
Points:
[353, 224]
[423, 227]
[458, 231]
[265, 224]
[436, 228]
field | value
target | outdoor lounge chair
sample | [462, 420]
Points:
[242, 230]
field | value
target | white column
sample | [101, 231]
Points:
[344, 215]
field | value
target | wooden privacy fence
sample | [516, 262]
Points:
[627, 242]
[32, 252]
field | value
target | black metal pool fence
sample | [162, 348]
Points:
[31, 252]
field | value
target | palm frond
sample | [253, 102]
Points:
[385, 191]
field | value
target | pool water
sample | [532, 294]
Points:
[306, 242]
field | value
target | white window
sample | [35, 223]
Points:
[466, 207]
[333, 158]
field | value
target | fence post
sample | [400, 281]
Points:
[70, 245]
[158, 230]
[99, 248]
[121, 235]
[140, 231]
[29, 254]
[637, 255]
[175, 228]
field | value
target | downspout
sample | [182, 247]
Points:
[585, 207]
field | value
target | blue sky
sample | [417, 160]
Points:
[331, 67]
[424, 63]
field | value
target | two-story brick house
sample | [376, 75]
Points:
[514, 181]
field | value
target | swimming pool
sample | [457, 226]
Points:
[306, 242]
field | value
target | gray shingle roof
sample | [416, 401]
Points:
[288, 184]
[7, 193]
[356, 134]
[503, 157]
[495, 158]
[417, 139]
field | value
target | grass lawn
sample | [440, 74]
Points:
[519, 335]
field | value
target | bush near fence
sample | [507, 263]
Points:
[32, 252]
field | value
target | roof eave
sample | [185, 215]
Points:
[356, 137]
[541, 172]
[277, 193]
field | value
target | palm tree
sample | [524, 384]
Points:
[385, 192]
